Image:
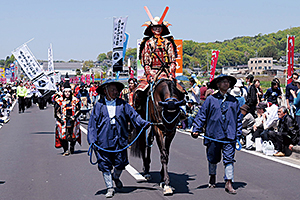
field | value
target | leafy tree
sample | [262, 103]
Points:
[269, 51]
[9, 60]
[87, 65]
[131, 52]
[101, 57]
[78, 71]
[109, 55]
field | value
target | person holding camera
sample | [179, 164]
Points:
[67, 111]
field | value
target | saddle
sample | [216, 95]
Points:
[144, 85]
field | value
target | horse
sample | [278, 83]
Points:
[162, 108]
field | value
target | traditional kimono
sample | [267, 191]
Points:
[111, 133]
[61, 107]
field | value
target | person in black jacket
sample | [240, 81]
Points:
[288, 132]
[252, 97]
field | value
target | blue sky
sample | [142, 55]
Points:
[82, 29]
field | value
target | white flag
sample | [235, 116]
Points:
[50, 59]
[27, 61]
[118, 42]
[51, 65]
[32, 69]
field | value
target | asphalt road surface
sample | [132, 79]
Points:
[31, 168]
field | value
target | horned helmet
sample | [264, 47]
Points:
[156, 21]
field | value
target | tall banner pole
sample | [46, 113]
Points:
[118, 42]
[290, 57]
[213, 65]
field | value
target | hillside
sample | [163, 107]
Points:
[236, 51]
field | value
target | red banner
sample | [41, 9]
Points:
[290, 62]
[83, 78]
[179, 60]
[88, 79]
[93, 78]
[213, 65]
[131, 72]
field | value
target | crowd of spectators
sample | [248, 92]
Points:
[7, 98]
[265, 114]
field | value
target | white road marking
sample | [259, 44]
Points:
[259, 154]
[131, 170]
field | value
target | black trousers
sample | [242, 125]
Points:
[280, 141]
[65, 143]
[256, 134]
[21, 102]
[28, 102]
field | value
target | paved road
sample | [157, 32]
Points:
[31, 168]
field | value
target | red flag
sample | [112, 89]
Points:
[290, 52]
[83, 78]
[93, 78]
[213, 65]
[88, 79]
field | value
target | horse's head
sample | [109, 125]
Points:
[170, 111]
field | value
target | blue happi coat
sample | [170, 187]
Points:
[100, 131]
[222, 118]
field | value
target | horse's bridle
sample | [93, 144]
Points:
[156, 110]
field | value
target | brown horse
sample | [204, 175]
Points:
[161, 107]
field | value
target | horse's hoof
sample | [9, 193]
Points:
[147, 177]
[167, 190]
[162, 184]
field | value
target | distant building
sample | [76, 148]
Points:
[258, 66]
[234, 70]
[282, 59]
[276, 70]
[64, 67]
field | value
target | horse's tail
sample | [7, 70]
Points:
[138, 147]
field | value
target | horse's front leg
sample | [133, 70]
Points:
[165, 142]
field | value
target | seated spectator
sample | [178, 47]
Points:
[270, 120]
[288, 132]
[237, 93]
[248, 120]
[258, 126]
[272, 93]
[191, 114]
[294, 148]
[4, 116]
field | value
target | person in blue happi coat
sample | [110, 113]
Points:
[220, 115]
[107, 129]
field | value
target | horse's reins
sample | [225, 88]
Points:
[156, 111]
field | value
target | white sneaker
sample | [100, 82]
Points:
[110, 193]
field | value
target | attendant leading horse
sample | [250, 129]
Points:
[162, 107]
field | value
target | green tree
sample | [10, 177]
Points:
[87, 65]
[269, 51]
[2, 62]
[78, 72]
[9, 60]
[101, 57]
[109, 55]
